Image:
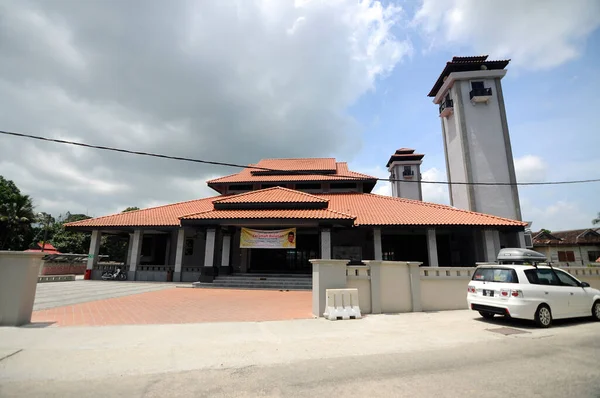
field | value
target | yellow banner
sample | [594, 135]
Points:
[268, 239]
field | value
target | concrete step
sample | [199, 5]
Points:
[287, 276]
[264, 279]
[200, 285]
[254, 281]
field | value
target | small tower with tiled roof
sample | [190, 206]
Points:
[405, 172]
[476, 140]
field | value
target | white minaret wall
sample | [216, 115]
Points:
[409, 188]
[478, 146]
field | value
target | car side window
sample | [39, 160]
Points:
[566, 279]
[542, 277]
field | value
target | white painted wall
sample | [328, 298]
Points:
[456, 166]
[580, 252]
[406, 188]
[487, 151]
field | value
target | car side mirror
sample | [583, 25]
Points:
[585, 284]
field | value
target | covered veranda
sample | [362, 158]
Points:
[199, 251]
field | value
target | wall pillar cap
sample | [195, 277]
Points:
[329, 262]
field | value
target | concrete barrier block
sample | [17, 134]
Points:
[342, 304]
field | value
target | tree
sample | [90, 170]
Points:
[69, 241]
[130, 209]
[16, 217]
[596, 220]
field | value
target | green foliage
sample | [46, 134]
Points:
[596, 220]
[16, 217]
[130, 209]
[69, 241]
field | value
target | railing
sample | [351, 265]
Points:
[358, 272]
[408, 173]
[446, 272]
[481, 92]
[582, 271]
[446, 104]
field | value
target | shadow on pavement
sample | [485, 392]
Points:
[525, 324]
[38, 325]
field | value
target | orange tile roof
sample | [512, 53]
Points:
[272, 195]
[364, 209]
[167, 215]
[312, 214]
[245, 176]
[299, 164]
[371, 209]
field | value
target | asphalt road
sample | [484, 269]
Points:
[451, 354]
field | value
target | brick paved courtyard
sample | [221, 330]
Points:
[182, 305]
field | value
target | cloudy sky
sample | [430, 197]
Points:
[237, 81]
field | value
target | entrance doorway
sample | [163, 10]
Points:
[286, 261]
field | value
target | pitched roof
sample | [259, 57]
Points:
[371, 209]
[167, 215]
[271, 195]
[46, 245]
[300, 164]
[567, 238]
[360, 208]
[279, 214]
[294, 171]
[465, 64]
[404, 154]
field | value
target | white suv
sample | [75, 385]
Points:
[540, 293]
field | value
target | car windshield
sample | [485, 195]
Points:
[504, 275]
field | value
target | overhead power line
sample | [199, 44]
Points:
[287, 172]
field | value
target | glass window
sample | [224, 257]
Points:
[542, 277]
[566, 279]
[593, 255]
[504, 275]
[477, 85]
[566, 256]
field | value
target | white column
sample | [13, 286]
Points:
[129, 249]
[521, 237]
[377, 243]
[168, 250]
[179, 255]
[326, 244]
[432, 248]
[136, 251]
[491, 241]
[209, 252]
[226, 250]
[94, 249]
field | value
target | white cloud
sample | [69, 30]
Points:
[530, 168]
[536, 34]
[435, 193]
[561, 215]
[226, 81]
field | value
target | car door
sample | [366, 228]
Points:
[556, 296]
[579, 301]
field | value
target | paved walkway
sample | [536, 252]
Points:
[170, 305]
[58, 294]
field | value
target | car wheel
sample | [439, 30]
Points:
[543, 316]
[596, 310]
[486, 315]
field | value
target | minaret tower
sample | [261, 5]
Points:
[476, 139]
[405, 172]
